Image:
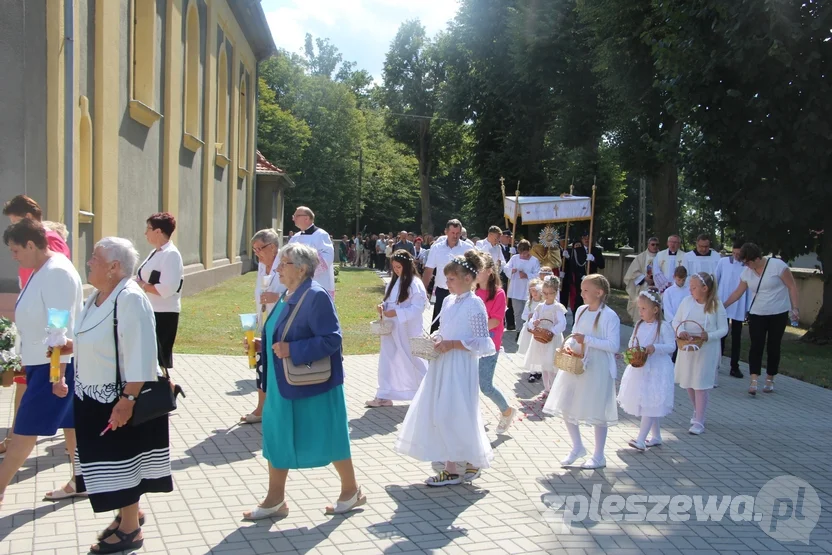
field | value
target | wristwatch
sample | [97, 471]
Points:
[129, 397]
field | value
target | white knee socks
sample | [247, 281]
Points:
[700, 404]
[600, 441]
[656, 427]
[646, 423]
[575, 434]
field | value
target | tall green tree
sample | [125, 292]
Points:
[413, 72]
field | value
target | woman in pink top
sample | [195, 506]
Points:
[489, 289]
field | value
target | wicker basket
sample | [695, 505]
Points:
[568, 361]
[424, 347]
[381, 326]
[7, 378]
[693, 342]
[542, 335]
[636, 354]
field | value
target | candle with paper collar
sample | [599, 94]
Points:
[56, 325]
[249, 322]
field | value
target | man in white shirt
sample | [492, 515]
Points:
[491, 245]
[703, 259]
[507, 251]
[439, 256]
[319, 240]
[728, 276]
[666, 261]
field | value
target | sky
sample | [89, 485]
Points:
[361, 29]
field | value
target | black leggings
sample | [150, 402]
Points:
[766, 333]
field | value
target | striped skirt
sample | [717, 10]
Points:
[116, 469]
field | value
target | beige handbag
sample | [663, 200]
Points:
[315, 372]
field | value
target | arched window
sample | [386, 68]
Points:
[192, 93]
[222, 106]
[242, 153]
[85, 162]
[144, 50]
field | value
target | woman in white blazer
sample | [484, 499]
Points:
[45, 406]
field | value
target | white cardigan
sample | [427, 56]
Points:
[55, 285]
[95, 362]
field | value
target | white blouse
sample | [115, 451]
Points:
[267, 282]
[95, 352]
[163, 268]
[464, 318]
[773, 296]
[55, 285]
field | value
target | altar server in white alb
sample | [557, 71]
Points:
[728, 276]
[520, 269]
[702, 315]
[666, 263]
[703, 258]
[399, 372]
[318, 239]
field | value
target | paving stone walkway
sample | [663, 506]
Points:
[220, 472]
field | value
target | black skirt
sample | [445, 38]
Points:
[166, 325]
[116, 469]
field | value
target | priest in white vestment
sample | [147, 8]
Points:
[702, 259]
[318, 239]
[639, 276]
[666, 262]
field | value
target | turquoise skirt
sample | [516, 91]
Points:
[303, 433]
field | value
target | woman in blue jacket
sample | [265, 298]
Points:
[303, 426]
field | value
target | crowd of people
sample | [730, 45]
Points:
[682, 304]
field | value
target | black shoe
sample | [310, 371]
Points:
[532, 378]
[107, 533]
[735, 372]
[177, 391]
[127, 542]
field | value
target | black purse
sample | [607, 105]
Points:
[155, 399]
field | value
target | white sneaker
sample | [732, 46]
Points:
[573, 456]
[506, 421]
[594, 463]
[696, 429]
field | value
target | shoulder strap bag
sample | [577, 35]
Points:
[155, 399]
[313, 373]
[759, 283]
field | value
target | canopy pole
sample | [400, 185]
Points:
[566, 239]
[503, 188]
[591, 223]
[516, 211]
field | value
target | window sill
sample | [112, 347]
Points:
[221, 159]
[143, 113]
[85, 217]
[243, 172]
[192, 143]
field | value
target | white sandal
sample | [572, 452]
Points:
[342, 507]
[259, 512]
[251, 419]
[60, 494]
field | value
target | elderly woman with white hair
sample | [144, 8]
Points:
[304, 426]
[118, 462]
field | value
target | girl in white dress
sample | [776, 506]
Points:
[535, 297]
[696, 368]
[399, 372]
[589, 398]
[549, 315]
[444, 421]
[648, 391]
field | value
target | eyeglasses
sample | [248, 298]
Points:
[261, 249]
[281, 264]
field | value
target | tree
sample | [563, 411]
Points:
[412, 75]
[325, 61]
[751, 78]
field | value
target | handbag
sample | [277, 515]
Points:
[312, 373]
[156, 398]
[759, 283]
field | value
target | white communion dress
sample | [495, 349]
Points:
[540, 357]
[525, 334]
[399, 372]
[444, 422]
[696, 369]
[648, 391]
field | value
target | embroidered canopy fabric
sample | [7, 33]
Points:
[538, 210]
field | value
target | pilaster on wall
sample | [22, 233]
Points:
[55, 110]
[232, 250]
[173, 108]
[209, 136]
[106, 118]
[76, 143]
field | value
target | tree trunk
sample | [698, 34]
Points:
[665, 187]
[424, 175]
[820, 332]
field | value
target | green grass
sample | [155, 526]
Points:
[210, 322]
[805, 362]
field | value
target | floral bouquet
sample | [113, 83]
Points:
[249, 322]
[9, 358]
[57, 322]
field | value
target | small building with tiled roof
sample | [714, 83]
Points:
[270, 186]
